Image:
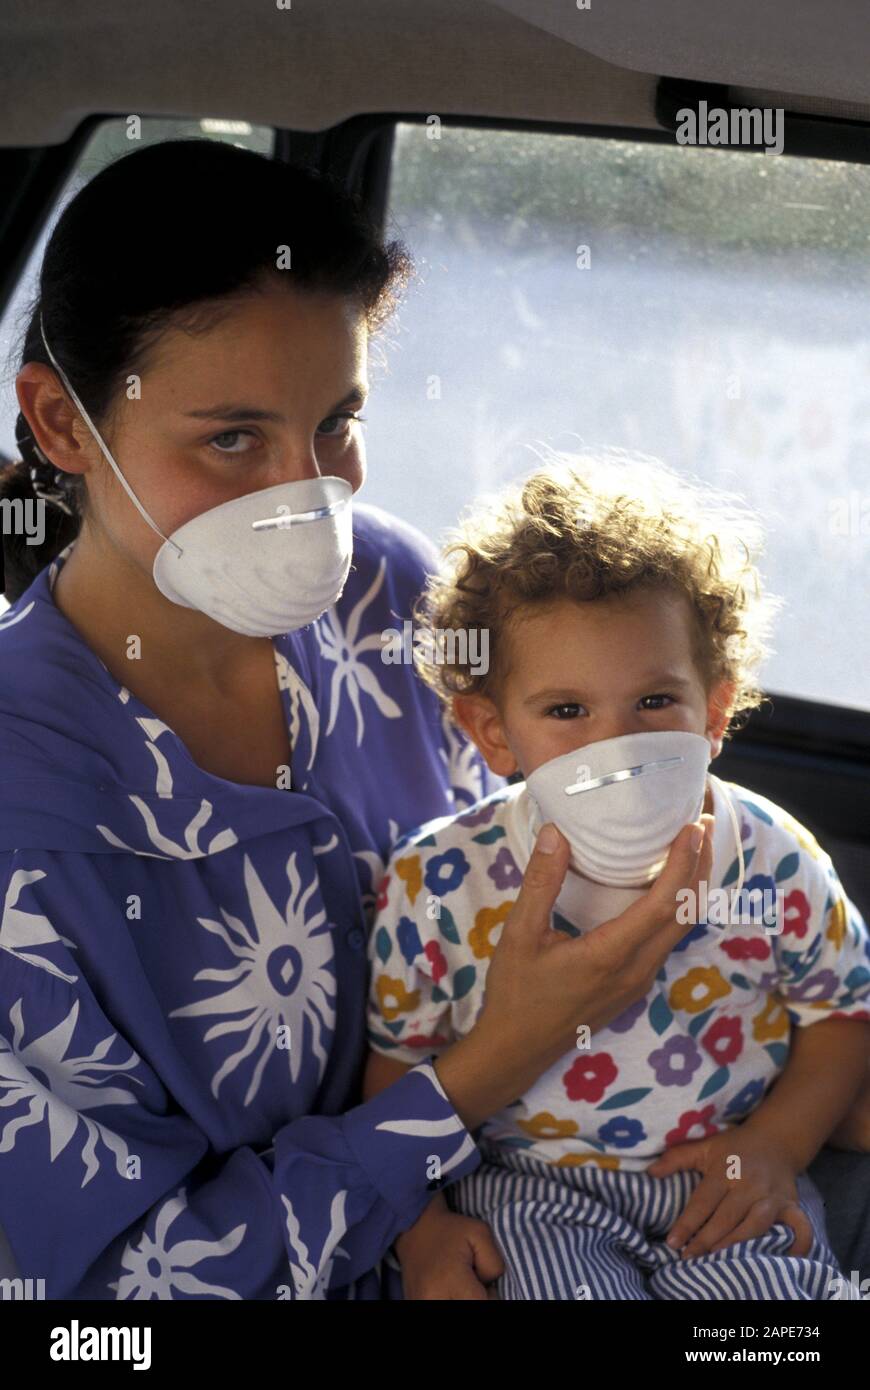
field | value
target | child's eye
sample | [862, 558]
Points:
[232, 434]
[330, 426]
[564, 707]
[644, 698]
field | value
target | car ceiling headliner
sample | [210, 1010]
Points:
[321, 61]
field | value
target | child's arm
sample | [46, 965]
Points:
[821, 948]
[774, 1144]
[825, 1070]
[381, 1071]
[854, 1131]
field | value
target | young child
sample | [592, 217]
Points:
[626, 622]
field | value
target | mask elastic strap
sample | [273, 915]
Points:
[108, 457]
[741, 862]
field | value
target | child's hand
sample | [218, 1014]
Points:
[722, 1210]
[445, 1255]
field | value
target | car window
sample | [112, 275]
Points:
[706, 306]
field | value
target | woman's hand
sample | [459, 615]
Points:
[723, 1210]
[445, 1255]
[542, 985]
[563, 982]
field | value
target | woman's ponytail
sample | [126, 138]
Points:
[40, 510]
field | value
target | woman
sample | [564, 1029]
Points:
[206, 765]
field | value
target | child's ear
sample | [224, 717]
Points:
[478, 715]
[720, 703]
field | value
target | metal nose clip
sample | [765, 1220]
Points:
[287, 519]
[639, 771]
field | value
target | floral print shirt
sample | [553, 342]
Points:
[694, 1056]
[183, 965]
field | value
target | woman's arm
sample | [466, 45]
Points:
[380, 1072]
[536, 987]
[542, 986]
[109, 1189]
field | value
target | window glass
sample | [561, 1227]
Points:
[717, 318]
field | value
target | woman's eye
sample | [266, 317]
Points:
[338, 424]
[643, 700]
[574, 708]
[230, 435]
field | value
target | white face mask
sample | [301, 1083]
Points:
[254, 564]
[622, 802]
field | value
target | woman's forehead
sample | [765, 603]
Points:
[291, 338]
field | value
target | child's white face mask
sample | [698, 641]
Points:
[622, 802]
[253, 564]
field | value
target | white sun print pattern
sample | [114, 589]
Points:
[344, 647]
[282, 978]
[153, 728]
[309, 1281]
[301, 702]
[171, 849]
[57, 1089]
[166, 847]
[22, 932]
[18, 617]
[376, 867]
[153, 1269]
[436, 1129]
[328, 847]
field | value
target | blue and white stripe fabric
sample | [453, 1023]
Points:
[589, 1233]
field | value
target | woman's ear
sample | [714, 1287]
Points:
[479, 717]
[720, 703]
[55, 424]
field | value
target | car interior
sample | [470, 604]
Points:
[721, 326]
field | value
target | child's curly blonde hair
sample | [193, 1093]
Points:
[586, 526]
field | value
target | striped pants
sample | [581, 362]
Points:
[590, 1233]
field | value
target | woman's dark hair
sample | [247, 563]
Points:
[151, 242]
